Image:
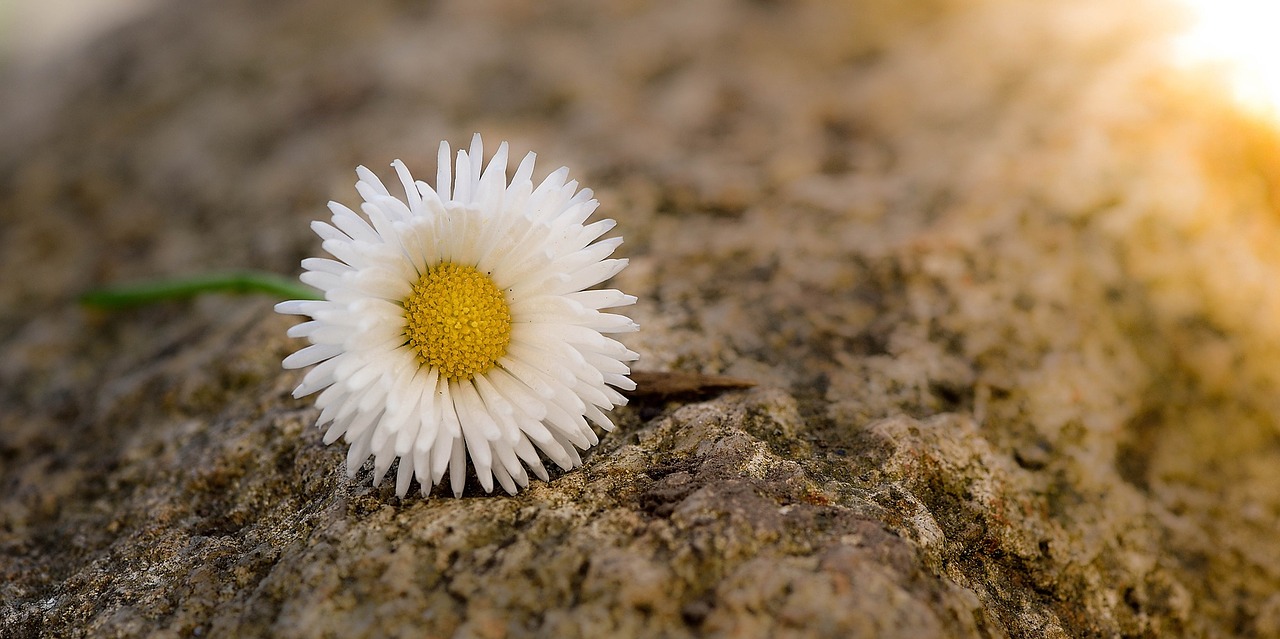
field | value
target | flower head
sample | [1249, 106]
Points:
[457, 323]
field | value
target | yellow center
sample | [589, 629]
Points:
[457, 320]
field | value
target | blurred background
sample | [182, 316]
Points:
[34, 30]
[1235, 38]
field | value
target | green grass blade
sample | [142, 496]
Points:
[150, 292]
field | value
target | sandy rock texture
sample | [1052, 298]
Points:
[1006, 284]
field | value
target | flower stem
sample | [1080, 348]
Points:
[149, 292]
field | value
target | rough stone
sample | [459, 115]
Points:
[1003, 277]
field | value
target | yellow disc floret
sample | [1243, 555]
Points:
[457, 320]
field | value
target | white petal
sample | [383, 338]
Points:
[602, 298]
[326, 265]
[519, 396]
[358, 453]
[300, 307]
[318, 378]
[598, 418]
[313, 354]
[362, 422]
[352, 224]
[442, 451]
[529, 455]
[422, 469]
[457, 467]
[504, 479]
[464, 179]
[592, 275]
[525, 170]
[369, 181]
[404, 475]
[381, 464]
[412, 194]
[327, 231]
[611, 323]
[477, 414]
[620, 381]
[443, 180]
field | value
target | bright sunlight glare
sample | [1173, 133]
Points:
[1241, 40]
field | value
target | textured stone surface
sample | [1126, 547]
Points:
[1005, 283]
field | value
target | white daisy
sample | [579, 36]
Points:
[455, 323]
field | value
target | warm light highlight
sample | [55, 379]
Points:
[1238, 38]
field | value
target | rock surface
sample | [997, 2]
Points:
[1005, 281]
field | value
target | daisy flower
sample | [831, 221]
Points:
[456, 323]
